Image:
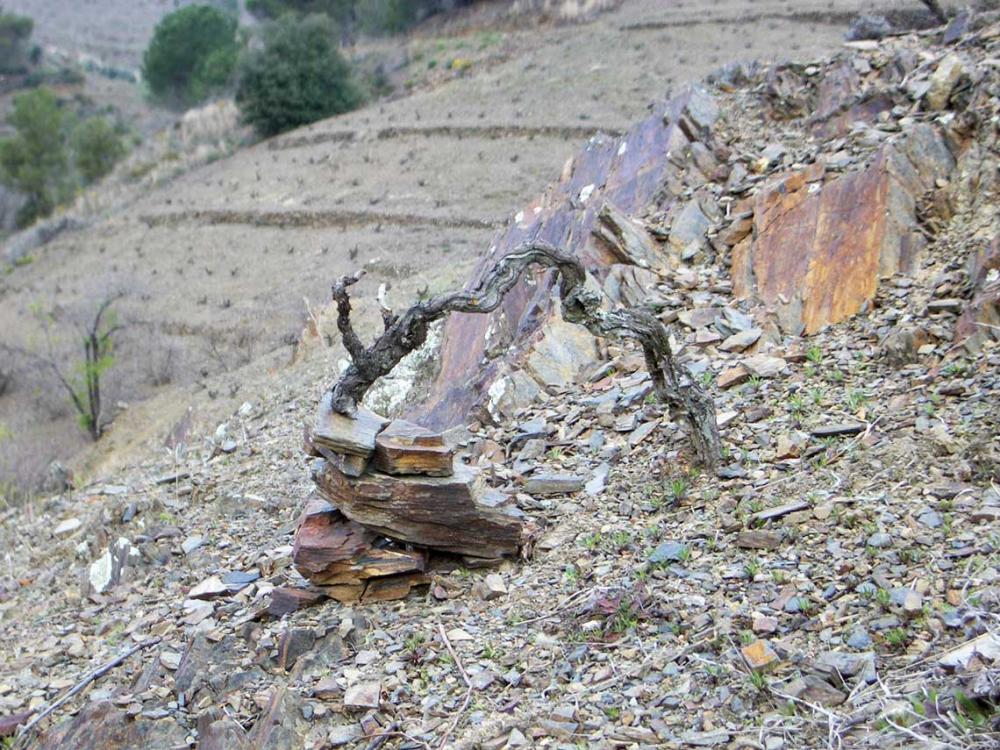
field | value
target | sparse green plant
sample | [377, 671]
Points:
[15, 38]
[713, 670]
[752, 567]
[883, 598]
[855, 399]
[817, 395]
[684, 555]
[796, 403]
[747, 637]
[897, 637]
[613, 713]
[621, 539]
[814, 354]
[592, 542]
[491, 652]
[34, 161]
[571, 574]
[677, 489]
[625, 618]
[758, 681]
[788, 709]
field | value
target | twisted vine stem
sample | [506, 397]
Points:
[406, 332]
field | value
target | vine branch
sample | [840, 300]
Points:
[408, 331]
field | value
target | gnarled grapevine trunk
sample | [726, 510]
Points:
[406, 332]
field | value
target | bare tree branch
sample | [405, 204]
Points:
[97, 347]
[580, 305]
[88, 678]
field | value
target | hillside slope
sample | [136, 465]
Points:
[834, 585]
[218, 261]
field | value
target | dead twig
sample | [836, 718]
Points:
[89, 678]
[468, 685]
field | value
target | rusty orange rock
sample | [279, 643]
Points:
[820, 247]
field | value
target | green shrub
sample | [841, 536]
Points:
[34, 161]
[191, 56]
[15, 36]
[97, 147]
[298, 76]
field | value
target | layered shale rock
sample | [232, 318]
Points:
[392, 493]
[442, 513]
[820, 245]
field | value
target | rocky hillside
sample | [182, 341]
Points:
[222, 259]
[820, 236]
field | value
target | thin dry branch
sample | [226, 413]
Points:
[89, 678]
[468, 687]
[406, 332]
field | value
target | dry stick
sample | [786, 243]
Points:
[382, 738]
[95, 675]
[408, 331]
[468, 685]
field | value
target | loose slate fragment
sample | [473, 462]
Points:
[9, 724]
[781, 510]
[354, 435]
[406, 448]
[758, 539]
[393, 588]
[285, 600]
[353, 466]
[208, 589]
[363, 695]
[832, 430]
[554, 484]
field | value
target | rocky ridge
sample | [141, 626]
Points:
[837, 583]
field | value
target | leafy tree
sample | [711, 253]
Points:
[15, 34]
[97, 147]
[192, 54]
[34, 160]
[298, 76]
